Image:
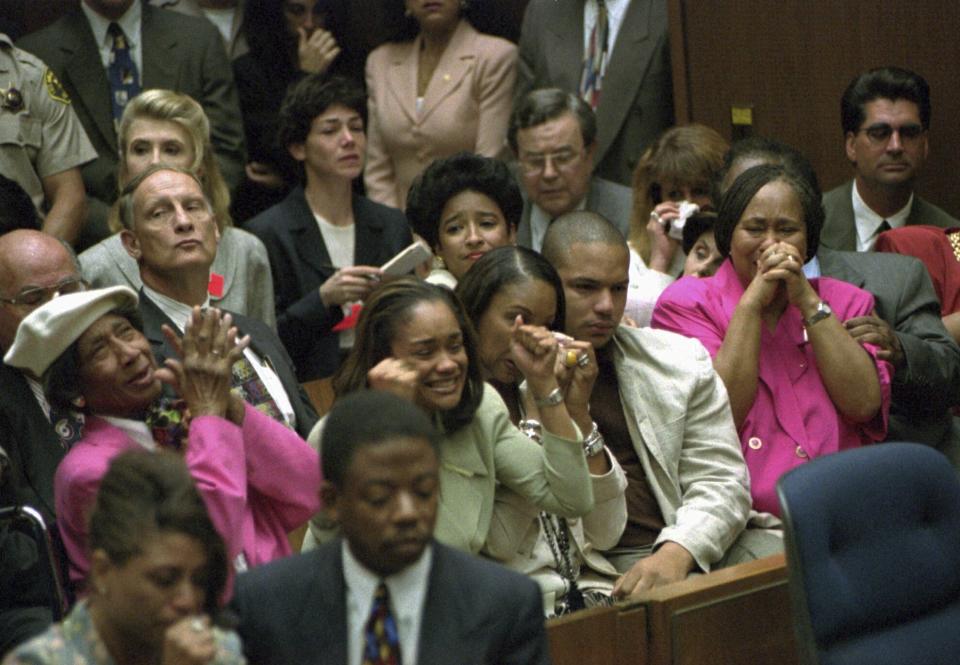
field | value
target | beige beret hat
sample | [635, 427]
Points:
[50, 329]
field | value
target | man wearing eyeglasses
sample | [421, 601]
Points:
[553, 135]
[34, 267]
[885, 114]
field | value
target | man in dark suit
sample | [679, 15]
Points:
[636, 99]
[438, 605]
[325, 243]
[885, 114]
[907, 325]
[168, 50]
[170, 230]
[34, 267]
[554, 137]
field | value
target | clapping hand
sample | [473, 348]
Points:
[202, 372]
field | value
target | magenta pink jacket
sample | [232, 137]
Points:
[792, 418]
[259, 483]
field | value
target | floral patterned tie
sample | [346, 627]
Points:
[381, 643]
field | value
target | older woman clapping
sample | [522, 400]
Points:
[799, 385]
[258, 478]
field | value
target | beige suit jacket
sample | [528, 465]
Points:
[466, 107]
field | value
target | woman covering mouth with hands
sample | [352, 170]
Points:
[414, 339]
[800, 386]
[508, 289]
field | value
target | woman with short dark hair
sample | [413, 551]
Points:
[800, 386]
[326, 244]
[463, 206]
[158, 572]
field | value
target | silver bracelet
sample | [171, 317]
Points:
[554, 398]
[593, 443]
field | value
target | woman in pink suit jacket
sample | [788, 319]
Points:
[259, 480]
[446, 89]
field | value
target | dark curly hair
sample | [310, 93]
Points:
[746, 186]
[447, 177]
[388, 308]
[310, 97]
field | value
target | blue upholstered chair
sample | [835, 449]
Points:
[873, 551]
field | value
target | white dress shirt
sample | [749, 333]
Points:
[408, 594]
[180, 313]
[129, 23]
[868, 222]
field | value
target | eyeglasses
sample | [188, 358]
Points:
[39, 295]
[881, 132]
[534, 163]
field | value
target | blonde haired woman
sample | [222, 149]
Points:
[170, 127]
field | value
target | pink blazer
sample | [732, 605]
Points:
[259, 483]
[466, 107]
[792, 418]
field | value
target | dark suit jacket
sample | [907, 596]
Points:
[294, 611]
[182, 53]
[262, 340]
[300, 264]
[610, 199]
[636, 103]
[31, 443]
[929, 383]
[840, 229]
[34, 450]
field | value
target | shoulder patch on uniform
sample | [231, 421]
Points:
[54, 88]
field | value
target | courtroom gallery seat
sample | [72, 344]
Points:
[873, 552]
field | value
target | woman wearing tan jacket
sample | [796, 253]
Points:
[443, 89]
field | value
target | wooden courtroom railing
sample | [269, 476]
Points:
[736, 615]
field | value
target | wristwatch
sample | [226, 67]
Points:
[823, 311]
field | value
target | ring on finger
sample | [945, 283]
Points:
[655, 216]
[583, 360]
[196, 625]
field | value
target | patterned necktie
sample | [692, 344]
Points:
[168, 422]
[595, 58]
[122, 72]
[381, 642]
[68, 424]
[253, 391]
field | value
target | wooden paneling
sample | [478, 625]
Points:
[589, 636]
[791, 60]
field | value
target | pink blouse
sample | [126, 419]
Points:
[792, 418]
[258, 483]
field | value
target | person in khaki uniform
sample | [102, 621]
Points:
[42, 143]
